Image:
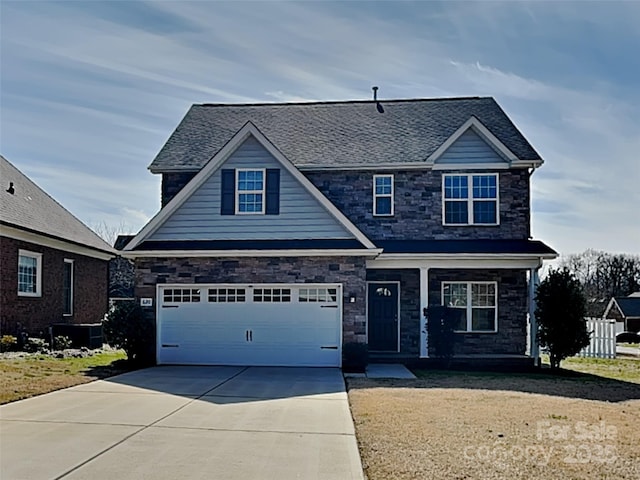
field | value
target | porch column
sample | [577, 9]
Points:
[534, 348]
[424, 303]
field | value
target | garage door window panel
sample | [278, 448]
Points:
[271, 295]
[324, 295]
[181, 295]
[227, 295]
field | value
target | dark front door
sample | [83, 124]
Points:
[383, 317]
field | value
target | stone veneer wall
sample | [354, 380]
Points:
[418, 205]
[409, 305]
[349, 271]
[511, 337]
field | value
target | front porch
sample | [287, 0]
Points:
[414, 284]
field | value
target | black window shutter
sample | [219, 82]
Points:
[228, 192]
[273, 192]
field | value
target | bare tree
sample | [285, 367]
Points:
[604, 275]
[109, 232]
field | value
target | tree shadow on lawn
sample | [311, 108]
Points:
[565, 383]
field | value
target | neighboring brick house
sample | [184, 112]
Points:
[289, 230]
[53, 268]
[626, 312]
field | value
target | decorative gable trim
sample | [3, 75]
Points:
[493, 141]
[249, 129]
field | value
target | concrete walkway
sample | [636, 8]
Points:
[389, 370]
[186, 422]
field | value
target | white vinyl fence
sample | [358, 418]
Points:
[603, 339]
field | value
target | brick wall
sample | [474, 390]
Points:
[349, 271]
[35, 314]
[511, 337]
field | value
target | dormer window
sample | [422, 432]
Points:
[383, 195]
[470, 199]
[250, 191]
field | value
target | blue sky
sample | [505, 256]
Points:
[90, 91]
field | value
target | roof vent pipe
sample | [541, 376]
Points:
[375, 99]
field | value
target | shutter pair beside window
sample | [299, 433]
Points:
[272, 192]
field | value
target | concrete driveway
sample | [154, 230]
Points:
[186, 422]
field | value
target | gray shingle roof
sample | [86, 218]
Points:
[630, 306]
[337, 133]
[31, 208]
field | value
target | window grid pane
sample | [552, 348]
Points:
[67, 288]
[484, 186]
[484, 211]
[456, 212]
[383, 206]
[27, 274]
[456, 186]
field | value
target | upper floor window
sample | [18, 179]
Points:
[383, 195]
[250, 191]
[29, 274]
[475, 301]
[470, 199]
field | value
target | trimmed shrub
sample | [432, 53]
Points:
[8, 343]
[441, 322]
[355, 357]
[36, 345]
[125, 326]
[61, 342]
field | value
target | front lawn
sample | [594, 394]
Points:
[38, 374]
[468, 425]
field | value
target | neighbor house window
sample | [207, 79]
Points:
[470, 199]
[476, 302]
[383, 195]
[250, 191]
[67, 287]
[29, 273]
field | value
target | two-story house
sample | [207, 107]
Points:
[289, 230]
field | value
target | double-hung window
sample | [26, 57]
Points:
[29, 274]
[470, 199]
[383, 195]
[250, 191]
[477, 303]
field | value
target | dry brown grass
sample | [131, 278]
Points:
[35, 375]
[455, 425]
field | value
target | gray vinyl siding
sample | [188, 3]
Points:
[301, 215]
[470, 148]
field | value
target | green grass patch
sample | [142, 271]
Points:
[35, 375]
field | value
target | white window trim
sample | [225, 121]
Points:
[383, 195]
[71, 262]
[38, 257]
[262, 192]
[469, 307]
[470, 199]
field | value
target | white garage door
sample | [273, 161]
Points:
[277, 325]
